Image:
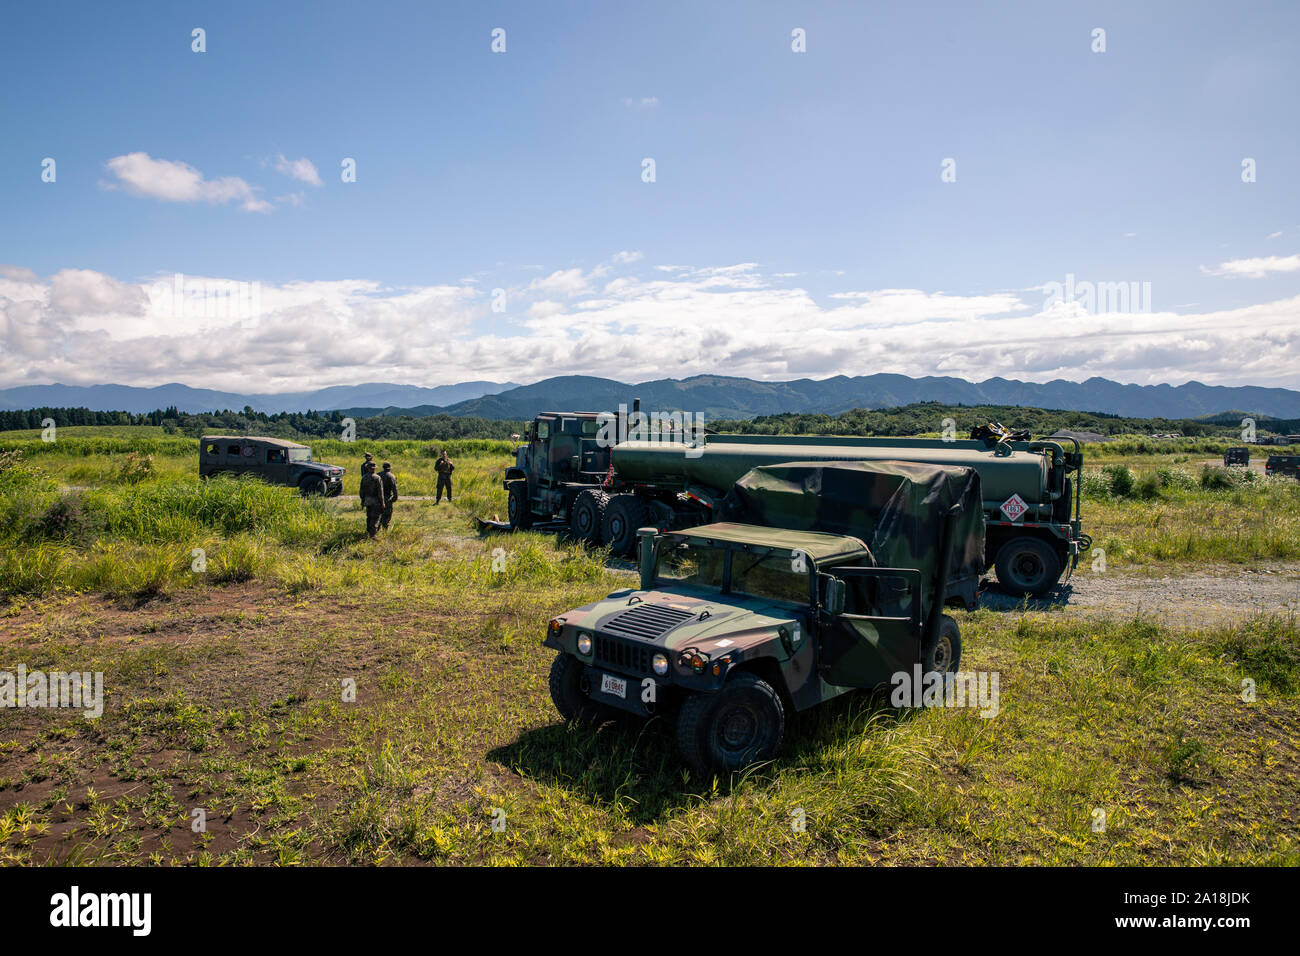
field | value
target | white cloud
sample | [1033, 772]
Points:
[142, 175]
[641, 103]
[1274, 235]
[1254, 268]
[303, 170]
[81, 326]
[627, 258]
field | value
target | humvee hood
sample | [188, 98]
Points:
[677, 619]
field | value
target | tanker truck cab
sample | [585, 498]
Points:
[559, 459]
[735, 627]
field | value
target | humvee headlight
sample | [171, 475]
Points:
[584, 644]
[660, 664]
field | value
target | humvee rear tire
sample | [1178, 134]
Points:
[313, 486]
[1027, 566]
[567, 675]
[945, 656]
[588, 514]
[740, 725]
[521, 518]
[624, 514]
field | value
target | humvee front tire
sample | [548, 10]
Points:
[588, 514]
[945, 656]
[521, 518]
[624, 514]
[567, 693]
[1027, 566]
[313, 486]
[739, 725]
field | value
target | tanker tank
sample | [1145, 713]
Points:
[725, 458]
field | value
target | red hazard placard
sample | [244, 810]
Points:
[1014, 507]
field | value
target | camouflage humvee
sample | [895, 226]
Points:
[273, 459]
[1236, 456]
[735, 626]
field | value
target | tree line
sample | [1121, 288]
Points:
[291, 425]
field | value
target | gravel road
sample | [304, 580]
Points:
[1206, 596]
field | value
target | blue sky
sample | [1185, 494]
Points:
[813, 177]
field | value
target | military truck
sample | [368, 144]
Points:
[560, 473]
[737, 625]
[604, 491]
[1236, 456]
[274, 460]
[1288, 465]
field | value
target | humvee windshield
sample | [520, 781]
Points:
[300, 454]
[761, 573]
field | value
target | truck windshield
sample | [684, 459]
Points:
[300, 454]
[762, 574]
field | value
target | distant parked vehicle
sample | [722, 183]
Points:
[274, 460]
[1283, 465]
[1236, 456]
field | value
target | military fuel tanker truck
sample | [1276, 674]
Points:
[1030, 488]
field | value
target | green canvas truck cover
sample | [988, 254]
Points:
[895, 507]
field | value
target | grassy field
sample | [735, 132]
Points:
[227, 690]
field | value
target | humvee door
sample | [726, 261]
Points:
[879, 632]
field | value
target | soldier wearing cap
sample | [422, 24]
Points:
[372, 497]
[389, 483]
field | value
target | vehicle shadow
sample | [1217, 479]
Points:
[635, 764]
[994, 600]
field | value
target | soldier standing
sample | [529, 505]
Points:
[372, 497]
[390, 494]
[444, 467]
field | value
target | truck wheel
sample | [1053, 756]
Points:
[517, 507]
[313, 486]
[567, 693]
[739, 725]
[624, 514]
[1027, 566]
[945, 656]
[588, 513]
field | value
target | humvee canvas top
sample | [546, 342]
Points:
[276, 442]
[818, 545]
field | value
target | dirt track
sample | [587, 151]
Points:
[1185, 599]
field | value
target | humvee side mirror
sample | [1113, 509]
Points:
[833, 602]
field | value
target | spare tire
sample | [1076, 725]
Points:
[624, 514]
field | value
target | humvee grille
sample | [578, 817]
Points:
[622, 655]
[647, 621]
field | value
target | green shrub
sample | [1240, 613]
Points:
[1119, 478]
[1214, 478]
[1147, 487]
[136, 468]
[29, 570]
[238, 560]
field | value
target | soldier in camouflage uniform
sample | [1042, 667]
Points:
[372, 497]
[444, 467]
[389, 483]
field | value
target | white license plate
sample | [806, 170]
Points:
[614, 686]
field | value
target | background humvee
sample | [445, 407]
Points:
[274, 460]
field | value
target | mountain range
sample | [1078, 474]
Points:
[129, 398]
[715, 396]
